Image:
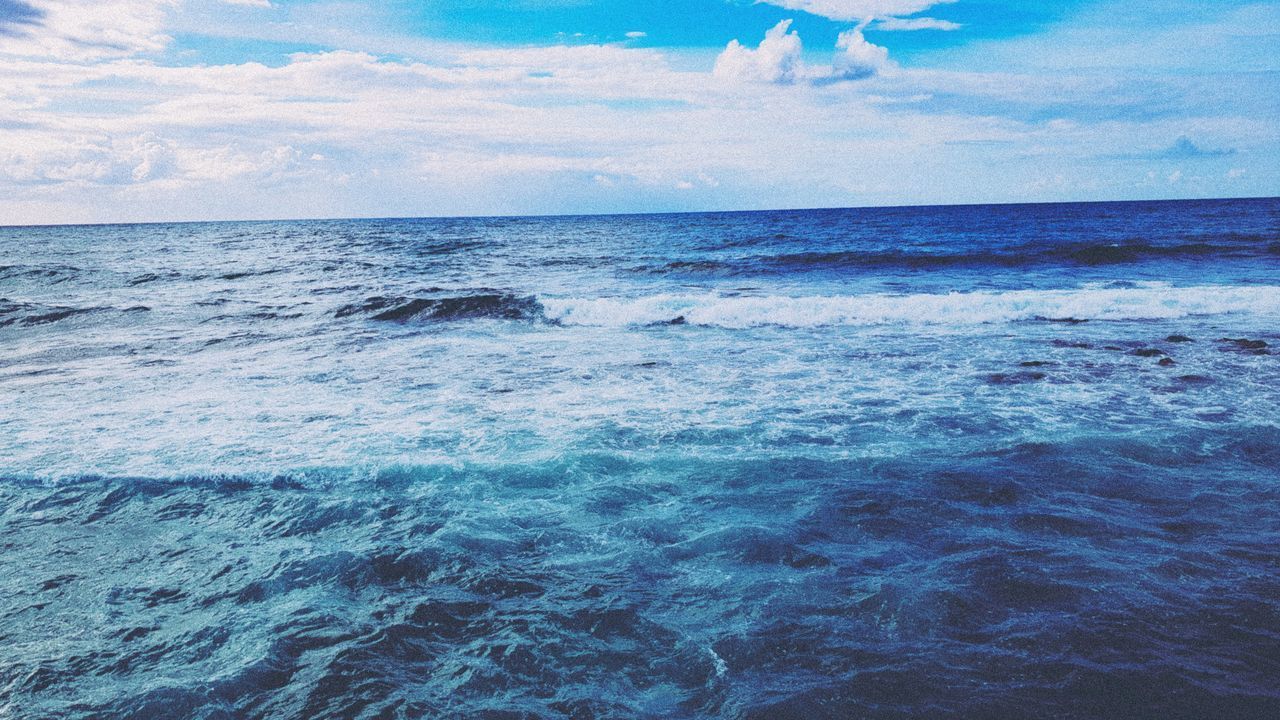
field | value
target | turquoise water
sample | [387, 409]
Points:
[945, 462]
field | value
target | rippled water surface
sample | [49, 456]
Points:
[978, 462]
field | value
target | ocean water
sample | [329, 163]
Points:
[977, 462]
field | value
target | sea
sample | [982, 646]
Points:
[945, 462]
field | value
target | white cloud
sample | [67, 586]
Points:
[119, 160]
[857, 10]
[776, 60]
[91, 30]
[636, 34]
[856, 58]
[409, 127]
[921, 23]
[779, 59]
[85, 30]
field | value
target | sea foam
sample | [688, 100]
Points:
[1152, 302]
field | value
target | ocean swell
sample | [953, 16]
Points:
[1261, 248]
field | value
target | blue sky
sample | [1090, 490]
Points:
[186, 109]
[706, 23]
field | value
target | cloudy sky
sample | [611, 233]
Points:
[134, 110]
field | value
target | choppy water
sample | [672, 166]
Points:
[939, 462]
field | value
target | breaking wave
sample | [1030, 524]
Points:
[493, 305]
[1151, 302]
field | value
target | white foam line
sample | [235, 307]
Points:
[1138, 303]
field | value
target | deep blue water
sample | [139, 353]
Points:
[973, 462]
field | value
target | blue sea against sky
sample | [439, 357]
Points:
[971, 462]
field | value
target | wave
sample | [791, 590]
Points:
[1257, 247]
[1152, 302]
[14, 312]
[492, 305]
[48, 274]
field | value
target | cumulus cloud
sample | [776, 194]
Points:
[857, 10]
[856, 58]
[778, 59]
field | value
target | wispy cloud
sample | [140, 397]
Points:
[1184, 149]
[15, 15]
[87, 31]
[857, 10]
[920, 23]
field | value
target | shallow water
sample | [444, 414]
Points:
[865, 463]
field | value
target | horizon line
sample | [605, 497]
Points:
[655, 213]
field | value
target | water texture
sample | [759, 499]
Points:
[971, 462]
